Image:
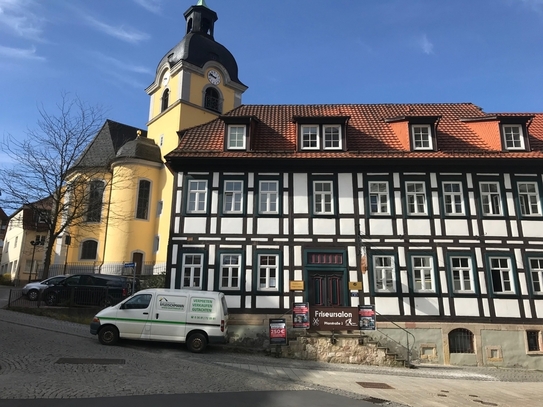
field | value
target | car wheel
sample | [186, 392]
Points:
[33, 295]
[106, 302]
[197, 343]
[51, 299]
[108, 335]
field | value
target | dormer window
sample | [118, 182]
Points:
[321, 137]
[421, 137]
[513, 137]
[236, 137]
[310, 137]
[332, 137]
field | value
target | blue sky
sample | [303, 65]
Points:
[489, 52]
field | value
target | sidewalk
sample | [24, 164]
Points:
[422, 387]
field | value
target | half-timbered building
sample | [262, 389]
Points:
[431, 212]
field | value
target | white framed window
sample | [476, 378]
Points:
[513, 135]
[310, 137]
[501, 275]
[323, 198]
[422, 137]
[384, 274]
[192, 267]
[332, 137]
[268, 272]
[462, 274]
[423, 273]
[536, 272]
[378, 195]
[416, 198]
[490, 198]
[453, 199]
[528, 196]
[197, 196]
[233, 197]
[268, 197]
[230, 273]
[236, 137]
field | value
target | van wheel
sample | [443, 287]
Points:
[108, 335]
[197, 343]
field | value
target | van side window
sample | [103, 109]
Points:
[138, 302]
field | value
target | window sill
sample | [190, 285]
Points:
[534, 353]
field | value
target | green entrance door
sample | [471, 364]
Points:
[326, 289]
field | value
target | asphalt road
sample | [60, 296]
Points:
[42, 359]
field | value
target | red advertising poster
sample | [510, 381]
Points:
[366, 317]
[278, 331]
[300, 315]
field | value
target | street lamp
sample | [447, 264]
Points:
[34, 243]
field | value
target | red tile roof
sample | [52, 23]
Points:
[368, 133]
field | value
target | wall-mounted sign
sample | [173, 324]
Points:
[333, 319]
[300, 315]
[278, 331]
[296, 285]
[355, 285]
[366, 317]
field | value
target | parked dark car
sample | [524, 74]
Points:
[90, 290]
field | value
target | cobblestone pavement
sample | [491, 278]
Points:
[32, 346]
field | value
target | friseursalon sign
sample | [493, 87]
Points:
[332, 319]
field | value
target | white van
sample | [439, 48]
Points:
[198, 318]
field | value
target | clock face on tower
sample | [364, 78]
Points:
[214, 77]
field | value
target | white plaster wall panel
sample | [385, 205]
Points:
[301, 226]
[250, 226]
[213, 226]
[250, 180]
[215, 180]
[510, 202]
[396, 180]
[300, 194]
[180, 178]
[360, 180]
[494, 228]
[436, 209]
[195, 225]
[211, 254]
[531, 228]
[285, 180]
[286, 257]
[418, 227]
[285, 227]
[324, 227]
[387, 305]
[482, 282]
[353, 275]
[507, 181]
[404, 281]
[249, 256]
[347, 227]
[176, 224]
[469, 180]
[351, 256]
[267, 226]
[297, 256]
[446, 307]
[406, 306]
[538, 309]
[178, 201]
[355, 301]
[173, 273]
[402, 261]
[443, 281]
[433, 180]
[286, 281]
[248, 301]
[232, 226]
[366, 282]
[298, 298]
[327, 240]
[233, 301]
[345, 191]
[527, 309]
[250, 202]
[440, 257]
[266, 302]
[285, 204]
[456, 227]
[486, 308]
[175, 249]
[475, 228]
[298, 275]
[380, 226]
[426, 306]
[523, 289]
[362, 228]
[466, 307]
[472, 203]
[398, 203]
[214, 201]
[519, 260]
[286, 303]
[249, 280]
[437, 227]
[506, 308]
[399, 227]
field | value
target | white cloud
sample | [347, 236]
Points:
[20, 53]
[121, 33]
[426, 46]
[154, 6]
[19, 17]
[116, 63]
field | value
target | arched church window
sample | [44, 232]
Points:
[212, 100]
[88, 250]
[189, 25]
[165, 98]
[206, 25]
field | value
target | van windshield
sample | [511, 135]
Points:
[224, 306]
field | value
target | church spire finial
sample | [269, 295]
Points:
[202, 3]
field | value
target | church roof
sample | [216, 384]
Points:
[372, 131]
